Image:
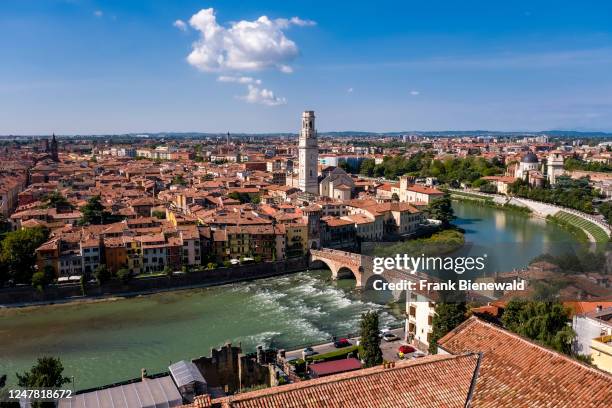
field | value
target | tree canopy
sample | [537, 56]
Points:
[441, 209]
[370, 352]
[545, 322]
[55, 199]
[95, 213]
[567, 192]
[448, 315]
[18, 254]
[47, 373]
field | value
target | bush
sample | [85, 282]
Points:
[102, 274]
[38, 280]
[124, 275]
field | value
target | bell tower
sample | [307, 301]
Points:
[308, 178]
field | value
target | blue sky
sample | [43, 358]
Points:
[81, 66]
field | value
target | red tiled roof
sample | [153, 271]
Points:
[335, 366]
[585, 307]
[516, 372]
[425, 190]
[432, 381]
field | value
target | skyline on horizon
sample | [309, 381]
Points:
[115, 67]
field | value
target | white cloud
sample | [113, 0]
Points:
[243, 45]
[285, 23]
[414, 93]
[239, 79]
[350, 90]
[98, 13]
[262, 96]
[180, 24]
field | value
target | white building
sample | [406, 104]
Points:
[420, 311]
[336, 184]
[528, 163]
[308, 155]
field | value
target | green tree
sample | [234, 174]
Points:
[159, 214]
[369, 340]
[124, 275]
[83, 285]
[94, 212]
[344, 165]
[545, 322]
[179, 180]
[47, 373]
[18, 253]
[367, 167]
[55, 199]
[441, 209]
[4, 395]
[448, 315]
[40, 279]
[102, 274]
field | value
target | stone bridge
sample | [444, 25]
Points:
[343, 264]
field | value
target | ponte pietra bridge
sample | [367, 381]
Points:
[344, 264]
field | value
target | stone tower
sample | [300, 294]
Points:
[54, 153]
[554, 162]
[308, 155]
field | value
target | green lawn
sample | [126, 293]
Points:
[595, 230]
[470, 196]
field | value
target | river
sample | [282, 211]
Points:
[105, 342]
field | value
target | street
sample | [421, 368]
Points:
[389, 348]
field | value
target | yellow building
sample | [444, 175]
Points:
[601, 352]
[297, 239]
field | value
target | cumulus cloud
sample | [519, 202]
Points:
[243, 45]
[414, 93]
[180, 24]
[262, 96]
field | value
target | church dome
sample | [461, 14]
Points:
[529, 158]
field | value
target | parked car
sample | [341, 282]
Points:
[308, 351]
[382, 331]
[388, 336]
[342, 342]
[406, 349]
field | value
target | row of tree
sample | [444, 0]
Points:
[422, 164]
[542, 321]
[567, 192]
[577, 164]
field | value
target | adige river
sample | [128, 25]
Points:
[109, 341]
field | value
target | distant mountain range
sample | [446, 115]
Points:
[339, 134]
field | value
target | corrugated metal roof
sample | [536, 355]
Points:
[150, 393]
[185, 372]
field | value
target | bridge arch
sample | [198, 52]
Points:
[340, 263]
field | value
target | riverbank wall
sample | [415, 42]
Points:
[597, 231]
[27, 295]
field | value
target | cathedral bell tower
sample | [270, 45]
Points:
[308, 178]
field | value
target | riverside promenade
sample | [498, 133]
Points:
[538, 208]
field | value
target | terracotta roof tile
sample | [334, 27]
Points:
[433, 381]
[516, 372]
